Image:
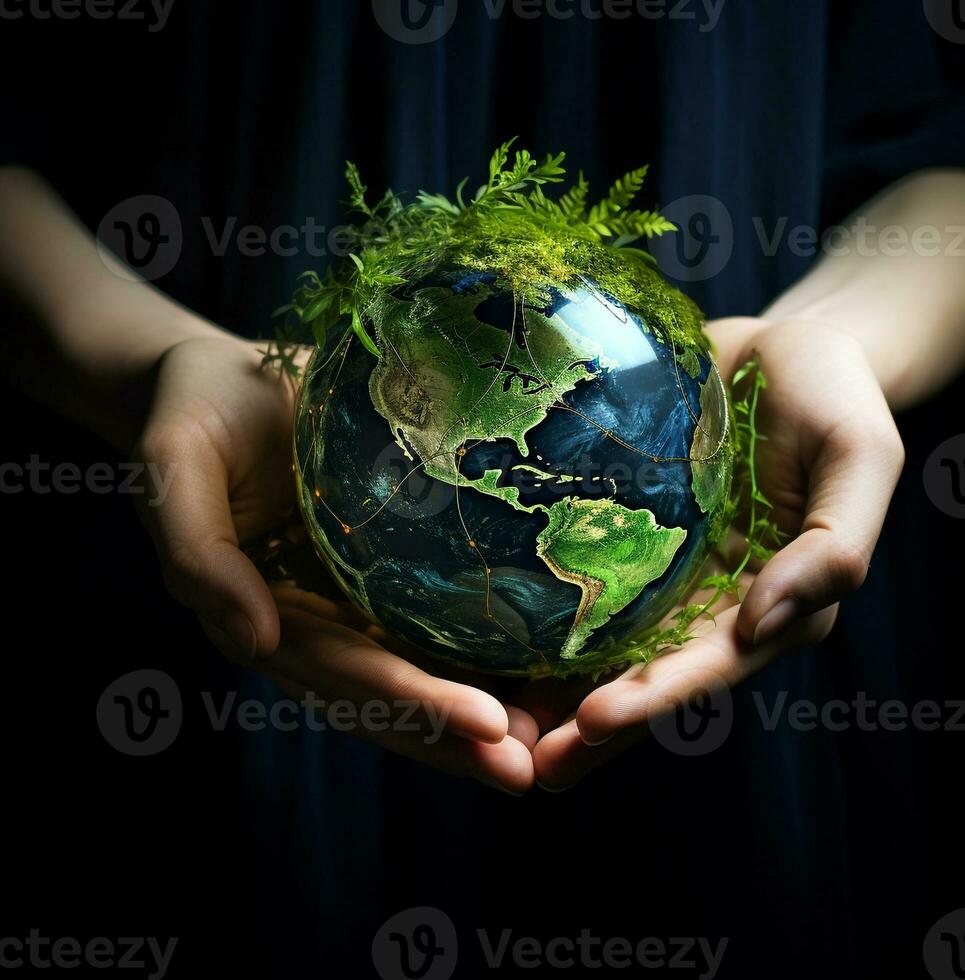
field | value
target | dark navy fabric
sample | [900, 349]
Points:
[816, 853]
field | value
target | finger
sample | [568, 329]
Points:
[507, 767]
[852, 479]
[616, 716]
[522, 726]
[561, 757]
[549, 700]
[504, 688]
[290, 596]
[333, 661]
[197, 545]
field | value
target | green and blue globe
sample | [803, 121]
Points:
[515, 486]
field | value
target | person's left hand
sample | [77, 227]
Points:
[829, 465]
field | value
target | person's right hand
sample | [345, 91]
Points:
[220, 430]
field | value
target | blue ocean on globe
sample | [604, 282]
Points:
[512, 487]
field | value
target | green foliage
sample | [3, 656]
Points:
[534, 242]
[510, 226]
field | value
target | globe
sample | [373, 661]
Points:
[515, 487]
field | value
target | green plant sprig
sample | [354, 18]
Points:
[509, 226]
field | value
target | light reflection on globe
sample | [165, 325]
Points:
[512, 489]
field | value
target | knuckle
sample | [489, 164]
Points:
[848, 570]
[896, 449]
[886, 438]
[162, 443]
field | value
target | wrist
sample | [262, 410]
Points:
[124, 327]
[111, 344]
[867, 320]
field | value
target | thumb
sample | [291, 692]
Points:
[196, 542]
[851, 483]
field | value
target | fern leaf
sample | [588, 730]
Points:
[358, 189]
[622, 194]
[572, 204]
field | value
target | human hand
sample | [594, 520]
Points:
[220, 431]
[829, 465]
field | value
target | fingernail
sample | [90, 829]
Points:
[554, 789]
[773, 621]
[602, 741]
[476, 736]
[238, 627]
[492, 784]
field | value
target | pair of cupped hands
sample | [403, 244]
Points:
[221, 425]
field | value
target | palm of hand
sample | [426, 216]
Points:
[828, 464]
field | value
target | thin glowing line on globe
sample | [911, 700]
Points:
[624, 319]
[399, 356]
[560, 404]
[492, 384]
[608, 433]
[602, 300]
[331, 390]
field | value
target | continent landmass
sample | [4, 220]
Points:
[436, 388]
[612, 553]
